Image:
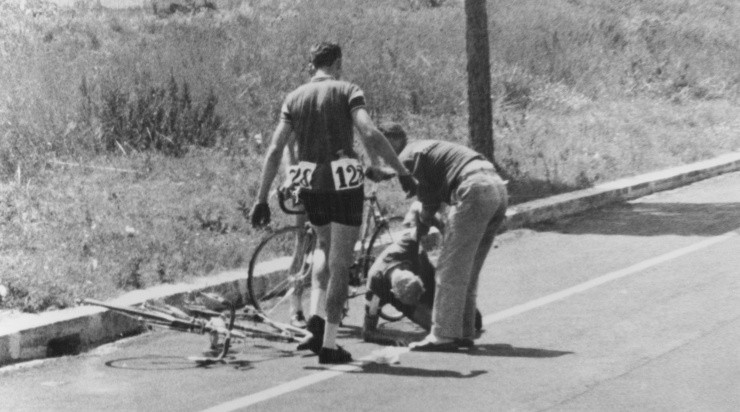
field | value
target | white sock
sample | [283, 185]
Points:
[330, 335]
[318, 302]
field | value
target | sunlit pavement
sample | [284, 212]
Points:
[630, 307]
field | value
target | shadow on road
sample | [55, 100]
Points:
[395, 370]
[152, 363]
[235, 359]
[504, 350]
[651, 219]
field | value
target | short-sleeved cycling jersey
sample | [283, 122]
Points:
[320, 114]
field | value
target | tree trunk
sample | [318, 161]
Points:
[480, 118]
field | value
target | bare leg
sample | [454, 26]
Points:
[296, 266]
[340, 259]
[320, 274]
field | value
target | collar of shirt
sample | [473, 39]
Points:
[322, 77]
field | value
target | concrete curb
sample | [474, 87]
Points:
[68, 331]
[572, 203]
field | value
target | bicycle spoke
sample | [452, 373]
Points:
[279, 276]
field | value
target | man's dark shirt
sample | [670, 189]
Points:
[405, 254]
[436, 165]
[320, 114]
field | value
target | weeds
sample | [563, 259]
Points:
[152, 118]
[584, 91]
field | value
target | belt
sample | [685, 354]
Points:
[471, 172]
[473, 168]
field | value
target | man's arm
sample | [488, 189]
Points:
[376, 145]
[372, 304]
[290, 157]
[370, 332]
[427, 215]
[280, 138]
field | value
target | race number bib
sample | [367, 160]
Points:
[347, 174]
[300, 174]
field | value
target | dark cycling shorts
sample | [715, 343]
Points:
[344, 207]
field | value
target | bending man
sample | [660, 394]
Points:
[462, 178]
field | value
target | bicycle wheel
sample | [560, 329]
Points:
[280, 272]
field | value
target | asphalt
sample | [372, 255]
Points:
[34, 336]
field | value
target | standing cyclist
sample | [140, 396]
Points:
[319, 117]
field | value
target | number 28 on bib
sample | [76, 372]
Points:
[300, 174]
[348, 174]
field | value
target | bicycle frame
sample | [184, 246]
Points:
[374, 216]
[372, 219]
[193, 319]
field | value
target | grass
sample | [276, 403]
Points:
[109, 182]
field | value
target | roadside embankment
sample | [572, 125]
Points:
[26, 337]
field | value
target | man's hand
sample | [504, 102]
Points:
[408, 184]
[425, 220]
[378, 174]
[422, 219]
[260, 215]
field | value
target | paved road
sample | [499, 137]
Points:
[631, 307]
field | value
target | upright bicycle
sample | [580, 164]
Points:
[281, 265]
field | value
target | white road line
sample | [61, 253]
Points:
[533, 304]
[378, 356]
[282, 389]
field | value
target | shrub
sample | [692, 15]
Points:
[160, 117]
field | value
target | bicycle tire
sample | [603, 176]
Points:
[384, 235]
[277, 269]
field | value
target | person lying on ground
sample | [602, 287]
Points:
[403, 277]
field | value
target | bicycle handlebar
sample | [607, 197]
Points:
[290, 194]
[379, 174]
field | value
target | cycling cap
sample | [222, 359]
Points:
[406, 286]
[325, 53]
